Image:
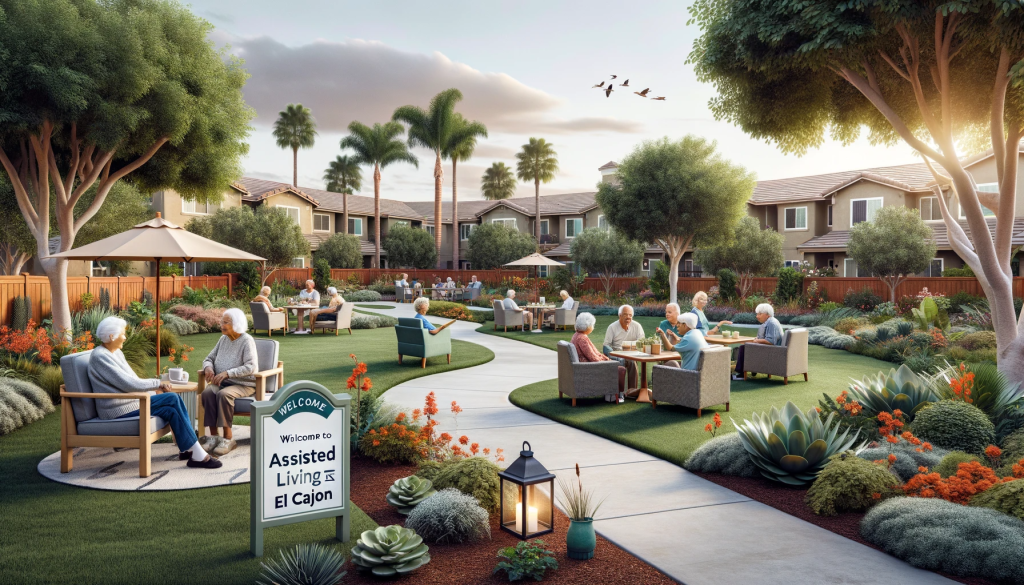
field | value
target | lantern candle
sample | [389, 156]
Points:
[531, 518]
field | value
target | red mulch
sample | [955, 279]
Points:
[474, 562]
[791, 501]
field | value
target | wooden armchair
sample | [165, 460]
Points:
[269, 379]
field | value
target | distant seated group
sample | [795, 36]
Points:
[440, 289]
[546, 315]
[308, 295]
[684, 333]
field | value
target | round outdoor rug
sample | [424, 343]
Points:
[118, 469]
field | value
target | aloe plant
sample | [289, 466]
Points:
[790, 446]
[899, 389]
[390, 550]
[406, 493]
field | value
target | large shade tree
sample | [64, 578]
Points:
[944, 77]
[894, 245]
[97, 92]
[410, 247]
[492, 245]
[537, 162]
[606, 253]
[752, 252]
[433, 128]
[460, 146]
[498, 182]
[343, 176]
[678, 194]
[341, 251]
[295, 128]
[378, 147]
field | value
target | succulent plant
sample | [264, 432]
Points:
[790, 446]
[899, 389]
[406, 493]
[390, 550]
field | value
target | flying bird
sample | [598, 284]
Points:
[598, 85]
[643, 93]
[614, 76]
[626, 84]
[659, 99]
[608, 92]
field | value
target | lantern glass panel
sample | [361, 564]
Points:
[511, 498]
[539, 503]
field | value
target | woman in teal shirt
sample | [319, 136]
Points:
[700, 300]
[671, 321]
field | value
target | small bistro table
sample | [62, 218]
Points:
[729, 341]
[538, 311]
[300, 309]
[190, 396]
[641, 358]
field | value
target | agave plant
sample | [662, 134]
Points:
[406, 493]
[790, 446]
[390, 550]
[306, 564]
[899, 389]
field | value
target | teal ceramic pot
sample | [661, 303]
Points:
[581, 539]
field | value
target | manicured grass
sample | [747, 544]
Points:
[672, 432]
[381, 307]
[55, 533]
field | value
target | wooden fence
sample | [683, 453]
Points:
[368, 275]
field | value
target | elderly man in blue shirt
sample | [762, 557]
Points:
[770, 333]
[688, 343]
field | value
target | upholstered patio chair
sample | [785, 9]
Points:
[269, 379]
[506, 318]
[706, 386]
[264, 318]
[415, 341]
[578, 379]
[342, 320]
[786, 360]
[566, 318]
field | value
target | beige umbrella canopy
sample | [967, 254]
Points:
[535, 259]
[161, 241]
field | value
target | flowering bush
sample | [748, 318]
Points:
[36, 343]
[814, 296]
[808, 269]
[971, 478]
[450, 310]
[207, 319]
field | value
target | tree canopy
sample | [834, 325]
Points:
[752, 252]
[606, 253]
[492, 245]
[343, 175]
[498, 182]
[410, 247]
[893, 246]
[537, 162]
[295, 128]
[677, 194]
[268, 232]
[341, 251]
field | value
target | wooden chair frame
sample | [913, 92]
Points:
[261, 392]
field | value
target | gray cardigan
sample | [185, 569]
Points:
[109, 372]
[237, 358]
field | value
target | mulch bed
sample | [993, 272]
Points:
[791, 501]
[474, 562]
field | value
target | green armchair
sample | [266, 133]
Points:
[414, 340]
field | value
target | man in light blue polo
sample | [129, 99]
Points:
[769, 333]
[688, 344]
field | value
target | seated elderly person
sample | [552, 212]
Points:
[327, 313]
[404, 282]
[421, 305]
[671, 320]
[700, 300]
[110, 373]
[474, 283]
[307, 296]
[770, 333]
[586, 351]
[264, 297]
[229, 372]
[510, 304]
[688, 343]
[625, 329]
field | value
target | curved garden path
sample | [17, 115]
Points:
[693, 530]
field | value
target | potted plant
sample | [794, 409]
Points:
[581, 508]
[655, 345]
[647, 344]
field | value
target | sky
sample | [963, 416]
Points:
[526, 69]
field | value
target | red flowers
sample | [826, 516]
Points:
[430, 406]
[993, 453]
[971, 478]
[456, 409]
[962, 385]
[851, 407]
[712, 427]
[464, 440]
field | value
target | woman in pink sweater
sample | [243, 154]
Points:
[587, 352]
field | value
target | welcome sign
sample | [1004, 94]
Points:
[300, 460]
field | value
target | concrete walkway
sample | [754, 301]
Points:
[693, 530]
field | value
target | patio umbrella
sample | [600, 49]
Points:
[536, 260]
[161, 241]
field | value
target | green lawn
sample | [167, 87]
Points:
[671, 432]
[381, 307]
[54, 533]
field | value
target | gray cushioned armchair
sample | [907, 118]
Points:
[269, 379]
[264, 318]
[342, 319]
[788, 359]
[566, 318]
[578, 379]
[506, 318]
[706, 386]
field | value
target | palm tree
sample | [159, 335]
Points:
[343, 176]
[377, 146]
[295, 128]
[460, 146]
[537, 162]
[431, 128]
[498, 182]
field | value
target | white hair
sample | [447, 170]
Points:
[624, 307]
[265, 290]
[676, 305]
[585, 321]
[238, 321]
[563, 293]
[311, 281]
[690, 319]
[510, 293]
[332, 291]
[110, 328]
[766, 309]
[699, 295]
[420, 302]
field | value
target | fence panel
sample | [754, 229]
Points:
[368, 275]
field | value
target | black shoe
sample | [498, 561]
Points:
[208, 463]
[184, 455]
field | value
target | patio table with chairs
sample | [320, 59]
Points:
[643, 393]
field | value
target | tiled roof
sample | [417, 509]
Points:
[361, 204]
[316, 239]
[561, 204]
[608, 165]
[259, 189]
[838, 240]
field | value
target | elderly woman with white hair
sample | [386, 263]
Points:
[110, 373]
[510, 304]
[327, 313]
[229, 371]
[264, 297]
[420, 305]
[687, 343]
[700, 300]
[587, 352]
[770, 333]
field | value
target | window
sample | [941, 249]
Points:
[507, 222]
[293, 212]
[194, 208]
[430, 229]
[298, 262]
[573, 227]
[355, 226]
[602, 223]
[930, 210]
[850, 269]
[935, 268]
[796, 218]
[465, 229]
[864, 209]
[829, 216]
[984, 188]
[399, 222]
[321, 222]
[690, 269]
[792, 263]
[99, 269]
[542, 271]
[544, 227]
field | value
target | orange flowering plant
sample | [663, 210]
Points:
[179, 355]
[849, 412]
[962, 384]
[713, 426]
[359, 382]
[971, 479]
[36, 343]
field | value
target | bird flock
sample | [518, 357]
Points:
[608, 89]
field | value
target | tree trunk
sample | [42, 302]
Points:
[344, 212]
[536, 202]
[746, 282]
[438, 225]
[295, 167]
[376, 216]
[607, 281]
[675, 248]
[893, 284]
[57, 271]
[456, 236]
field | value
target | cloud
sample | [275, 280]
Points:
[591, 125]
[494, 151]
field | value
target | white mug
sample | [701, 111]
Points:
[178, 375]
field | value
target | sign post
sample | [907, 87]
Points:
[299, 460]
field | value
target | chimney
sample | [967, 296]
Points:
[609, 172]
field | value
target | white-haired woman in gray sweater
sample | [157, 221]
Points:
[229, 372]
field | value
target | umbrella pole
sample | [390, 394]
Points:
[157, 301]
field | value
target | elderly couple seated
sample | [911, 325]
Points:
[308, 295]
[548, 316]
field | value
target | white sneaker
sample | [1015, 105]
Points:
[737, 377]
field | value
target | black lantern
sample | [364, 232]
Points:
[527, 497]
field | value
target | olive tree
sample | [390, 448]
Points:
[943, 77]
[341, 251]
[411, 247]
[492, 245]
[268, 232]
[607, 253]
[679, 194]
[95, 92]
[893, 246]
[752, 252]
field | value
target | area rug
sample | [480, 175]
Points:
[118, 469]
